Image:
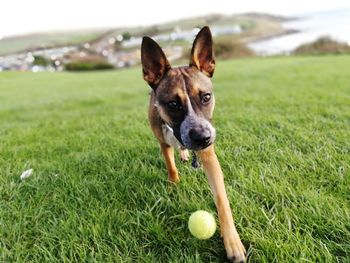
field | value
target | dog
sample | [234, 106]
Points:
[180, 114]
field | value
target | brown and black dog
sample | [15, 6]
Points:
[180, 114]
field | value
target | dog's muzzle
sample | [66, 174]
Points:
[197, 133]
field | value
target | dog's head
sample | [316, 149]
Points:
[184, 95]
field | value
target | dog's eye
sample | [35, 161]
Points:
[206, 98]
[173, 105]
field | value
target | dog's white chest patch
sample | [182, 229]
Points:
[169, 137]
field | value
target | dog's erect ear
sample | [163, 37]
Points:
[154, 62]
[202, 54]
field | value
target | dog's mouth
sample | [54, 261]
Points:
[199, 147]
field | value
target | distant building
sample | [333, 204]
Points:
[24, 61]
[186, 35]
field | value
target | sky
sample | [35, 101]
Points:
[28, 16]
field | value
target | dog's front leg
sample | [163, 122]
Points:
[233, 245]
[168, 153]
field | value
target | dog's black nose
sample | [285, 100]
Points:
[200, 136]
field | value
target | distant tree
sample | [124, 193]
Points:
[87, 66]
[126, 35]
[225, 49]
[322, 45]
[41, 61]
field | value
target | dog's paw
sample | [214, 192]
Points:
[174, 178]
[235, 250]
[184, 155]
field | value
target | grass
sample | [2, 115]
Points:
[99, 191]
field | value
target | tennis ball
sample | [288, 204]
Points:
[202, 224]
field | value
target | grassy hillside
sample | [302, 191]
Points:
[40, 40]
[99, 191]
[255, 26]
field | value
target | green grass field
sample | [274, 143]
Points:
[99, 191]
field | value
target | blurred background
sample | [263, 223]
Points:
[76, 35]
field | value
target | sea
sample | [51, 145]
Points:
[335, 24]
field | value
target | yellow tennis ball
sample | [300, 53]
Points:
[202, 224]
